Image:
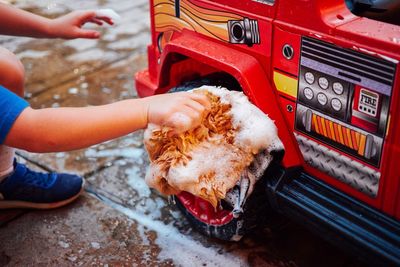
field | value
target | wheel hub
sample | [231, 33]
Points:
[204, 211]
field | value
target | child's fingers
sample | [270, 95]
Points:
[189, 112]
[91, 16]
[179, 122]
[202, 99]
[96, 21]
[194, 114]
[196, 106]
[90, 34]
[108, 20]
[85, 16]
[108, 15]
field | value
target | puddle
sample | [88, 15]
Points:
[130, 152]
[136, 181]
[33, 54]
[184, 250]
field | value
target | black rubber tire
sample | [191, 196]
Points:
[256, 207]
[215, 79]
[254, 214]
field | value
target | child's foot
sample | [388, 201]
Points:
[28, 189]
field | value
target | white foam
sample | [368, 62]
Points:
[203, 161]
[134, 153]
[73, 91]
[33, 54]
[109, 13]
[182, 249]
[218, 91]
[142, 232]
[149, 131]
[254, 132]
[136, 181]
[93, 54]
[181, 121]
[152, 172]
[255, 129]
[149, 207]
[95, 245]
[81, 44]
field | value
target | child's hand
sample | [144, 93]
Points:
[70, 25]
[179, 111]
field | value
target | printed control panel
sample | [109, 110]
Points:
[324, 93]
[368, 102]
[343, 99]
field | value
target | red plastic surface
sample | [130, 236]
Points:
[282, 38]
[204, 211]
[284, 23]
[289, 108]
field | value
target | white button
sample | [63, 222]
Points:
[338, 88]
[323, 82]
[308, 93]
[309, 77]
[322, 99]
[336, 104]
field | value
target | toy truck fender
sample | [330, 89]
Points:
[243, 67]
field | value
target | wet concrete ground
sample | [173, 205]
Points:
[119, 221]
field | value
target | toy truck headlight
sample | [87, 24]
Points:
[243, 31]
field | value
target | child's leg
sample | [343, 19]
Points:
[6, 161]
[12, 75]
[22, 187]
[12, 72]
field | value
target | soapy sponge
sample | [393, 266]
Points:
[232, 147]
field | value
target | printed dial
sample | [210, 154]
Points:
[338, 88]
[336, 104]
[322, 99]
[308, 93]
[309, 77]
[323, 82]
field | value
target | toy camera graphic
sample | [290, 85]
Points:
[243, 31]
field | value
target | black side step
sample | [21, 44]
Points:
[371, 235]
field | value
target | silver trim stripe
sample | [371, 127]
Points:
[355, 67]
[361, 57]
[351, 172]
[324, 68]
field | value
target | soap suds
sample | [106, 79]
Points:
[135, 153]
[209, 160]
[182, 249]
[109, 13]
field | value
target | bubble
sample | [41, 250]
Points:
[109, 13]
[73, 91]
[181, 122]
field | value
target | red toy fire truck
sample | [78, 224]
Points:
[328, 77]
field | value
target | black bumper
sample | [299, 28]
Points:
[351, 225]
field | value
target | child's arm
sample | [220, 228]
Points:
[14, 21]
[63, 129]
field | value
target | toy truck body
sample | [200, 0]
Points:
[330, 81]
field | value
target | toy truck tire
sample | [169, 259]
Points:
[256, 206]
[254, 215]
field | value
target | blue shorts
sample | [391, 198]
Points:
[11, 107]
